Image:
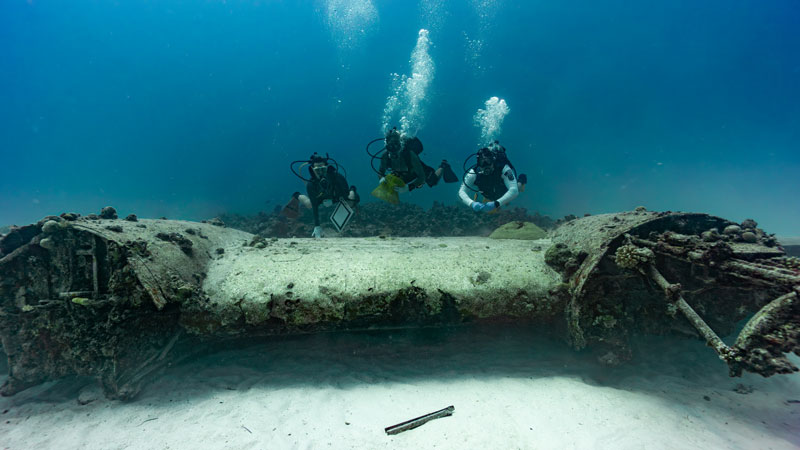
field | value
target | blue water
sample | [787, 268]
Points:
[186, 108]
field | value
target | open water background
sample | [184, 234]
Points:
[186, 109]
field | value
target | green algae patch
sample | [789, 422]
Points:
[83, 301]
[518, 230]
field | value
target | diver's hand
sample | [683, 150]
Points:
[489, 206]
[317, 233]
[382, 180]
[401, 189]
[327, 202]
[476, 206]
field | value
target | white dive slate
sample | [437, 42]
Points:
[341, 215]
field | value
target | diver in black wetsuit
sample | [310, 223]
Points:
[325, 184]
[494, 177]
[401, 158]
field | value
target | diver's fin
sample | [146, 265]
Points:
[447, 172]
[292, 208]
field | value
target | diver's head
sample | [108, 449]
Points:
[489, 157]
[393, 141]
[486, 161]
[318, 165]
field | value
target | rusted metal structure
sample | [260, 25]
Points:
[694, 274]
[117, 299]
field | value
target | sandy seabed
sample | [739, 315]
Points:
[511, 389]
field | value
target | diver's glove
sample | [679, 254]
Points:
[353, 198]
[382, 180]
[476, 206]
[401, 189]
[490, 206]
[317, 233]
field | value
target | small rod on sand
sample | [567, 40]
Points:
[421, 420]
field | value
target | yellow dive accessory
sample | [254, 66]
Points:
[385, 191]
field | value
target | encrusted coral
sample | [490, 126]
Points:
[630, 256]
[792, 262]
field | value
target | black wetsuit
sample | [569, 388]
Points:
[492, 185]
[332, 186]
[407, 165]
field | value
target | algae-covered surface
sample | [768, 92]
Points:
[519, 230]
[119, 295]
[346, 278]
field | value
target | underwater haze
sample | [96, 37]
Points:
[187, 109]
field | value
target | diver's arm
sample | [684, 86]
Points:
[469, 182]
[313, 194]
[416, 167]
[315, 210]
[353, 196]
[384, 165]
[511, 184]
[342, 188]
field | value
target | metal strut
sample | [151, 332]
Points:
[673, 294]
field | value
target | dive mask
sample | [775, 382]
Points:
[393, 141]
[320, 169]
[486, 159]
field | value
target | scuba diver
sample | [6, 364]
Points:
[494, 177]
[402, 170]
[325, 185]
